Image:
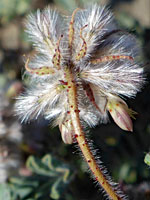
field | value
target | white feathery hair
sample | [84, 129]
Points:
[96, 36]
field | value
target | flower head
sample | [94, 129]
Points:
[102, 61]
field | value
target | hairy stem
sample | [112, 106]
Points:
[80, 137]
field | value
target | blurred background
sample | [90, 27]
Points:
[34, 162]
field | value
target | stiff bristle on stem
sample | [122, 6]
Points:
[84, 64]
[80, 137]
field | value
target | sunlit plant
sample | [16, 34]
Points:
[147, 159]
[83, 66]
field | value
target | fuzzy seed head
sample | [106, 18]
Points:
[101, 57]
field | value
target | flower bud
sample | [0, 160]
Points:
[66, 130]
[120, 113]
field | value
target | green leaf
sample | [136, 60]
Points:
[4, 192]
[47, 160]
[30, 199]
[38, 167]
[23, 192]
[50, 178]
[147, 159]
[65, 173]
[55, 189]
[23, 181]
